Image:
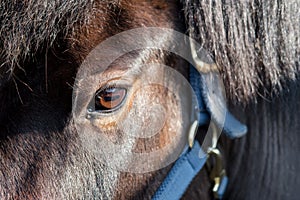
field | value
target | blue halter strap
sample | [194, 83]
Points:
[193, 159]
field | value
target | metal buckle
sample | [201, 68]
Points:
[192, 133]
[218, 171]
[201, 66]
[215, 159]
[209, 145]
[216, 167]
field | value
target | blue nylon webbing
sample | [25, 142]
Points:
[222, 187]
[195, 81]
[192, 160]
[231, 126]
[181, 174]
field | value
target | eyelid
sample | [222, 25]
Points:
[116, 82]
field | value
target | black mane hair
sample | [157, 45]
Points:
[255, 43]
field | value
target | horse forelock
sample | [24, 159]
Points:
[31, 26]
[255, 43]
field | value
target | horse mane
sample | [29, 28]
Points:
[255, 43]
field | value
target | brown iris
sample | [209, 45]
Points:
[109, 99]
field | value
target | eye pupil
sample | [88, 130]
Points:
[109, 99]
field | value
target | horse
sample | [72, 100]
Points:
[43, 45]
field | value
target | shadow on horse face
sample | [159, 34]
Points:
[40, 143]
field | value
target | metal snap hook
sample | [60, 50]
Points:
[218, 173]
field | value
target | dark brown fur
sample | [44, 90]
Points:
[256, 46]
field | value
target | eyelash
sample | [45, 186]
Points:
[107, 86]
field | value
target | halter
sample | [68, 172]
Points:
[194, 157]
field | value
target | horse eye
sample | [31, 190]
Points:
[109, 99]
